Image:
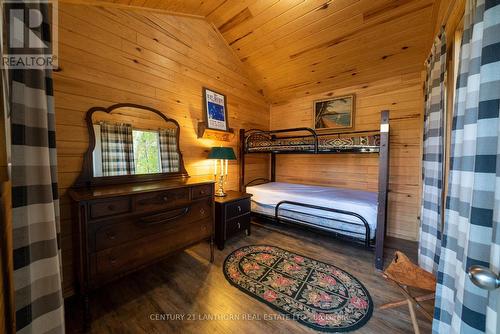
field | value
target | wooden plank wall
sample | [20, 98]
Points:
[7, 316]
[7, 309]
[402, 95]
[112, 55]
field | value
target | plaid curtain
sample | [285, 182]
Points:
[471, 232]
[168, 150]
[117, 148]
[35, 203]
[432, 164]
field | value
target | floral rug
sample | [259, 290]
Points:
[316, 294]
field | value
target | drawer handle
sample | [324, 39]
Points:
[202, 211]
[239, 208]
[239, 226]
[202, 192]
[112, 261]
[159, 218]
[165, 198]
[111, 236]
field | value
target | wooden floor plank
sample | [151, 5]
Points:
[188, 286]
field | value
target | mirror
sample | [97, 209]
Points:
[128, 140]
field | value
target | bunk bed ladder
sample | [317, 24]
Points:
[383, 181]
[242, 160]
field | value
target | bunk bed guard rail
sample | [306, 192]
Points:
[343, 212]
[272, 135]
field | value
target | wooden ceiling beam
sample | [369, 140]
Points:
[106, 4]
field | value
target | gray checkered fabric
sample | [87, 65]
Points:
[117, 147]
[432, 162]
[471, 232]
[35, 203]
[168, 150]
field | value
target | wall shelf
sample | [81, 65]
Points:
[220, 135]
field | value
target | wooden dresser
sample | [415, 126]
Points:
[122, 228]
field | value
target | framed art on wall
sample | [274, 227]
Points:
[336, 113]
[215, 108]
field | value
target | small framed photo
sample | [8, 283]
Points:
[336, 113]
[215, 107]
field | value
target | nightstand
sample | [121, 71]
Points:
[232, 215]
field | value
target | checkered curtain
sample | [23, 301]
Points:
[471, 232]
[432, 164]
[168, 150]
[117, 148]
[35, 203]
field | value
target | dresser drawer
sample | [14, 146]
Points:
[161, 200]
[237, 208]
[116, 233]
[133, 254]
[201, 191]
[109, 208]
[237, 224]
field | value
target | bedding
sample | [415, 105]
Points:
[267, 196]
[326, 143]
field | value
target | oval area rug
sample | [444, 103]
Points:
[317, 294]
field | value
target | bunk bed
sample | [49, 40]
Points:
[359, 216]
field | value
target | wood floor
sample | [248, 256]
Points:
[187, 285]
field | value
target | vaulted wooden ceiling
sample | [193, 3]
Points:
[298, 47]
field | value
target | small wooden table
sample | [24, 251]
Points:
[232, 215]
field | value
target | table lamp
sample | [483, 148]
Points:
[221, 156]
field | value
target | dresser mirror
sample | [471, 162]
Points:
[128, 143]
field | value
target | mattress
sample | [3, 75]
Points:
[326, 143]
[267, 196]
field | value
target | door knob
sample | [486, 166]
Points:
[483, 277]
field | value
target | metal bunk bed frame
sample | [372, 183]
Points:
[383, 178]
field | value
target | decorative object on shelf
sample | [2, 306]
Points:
[221, 156]
[215, 125]
[316, 294]
[215, 108]
[335, 113]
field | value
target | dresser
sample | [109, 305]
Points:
[122, 228]
[134, 203]
[232, 216]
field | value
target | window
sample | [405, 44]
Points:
[146, 152]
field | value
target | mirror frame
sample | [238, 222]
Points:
[87, 178]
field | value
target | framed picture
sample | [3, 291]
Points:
[215, 108]
[336, 113]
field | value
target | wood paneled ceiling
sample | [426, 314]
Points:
[298, 47]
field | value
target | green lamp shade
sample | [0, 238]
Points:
[222, 153]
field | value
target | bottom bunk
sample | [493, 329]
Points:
[345, 212]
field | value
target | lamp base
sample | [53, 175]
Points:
[220, 187]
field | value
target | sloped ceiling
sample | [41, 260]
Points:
[297, 47]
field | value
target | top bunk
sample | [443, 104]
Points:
[309, 141]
